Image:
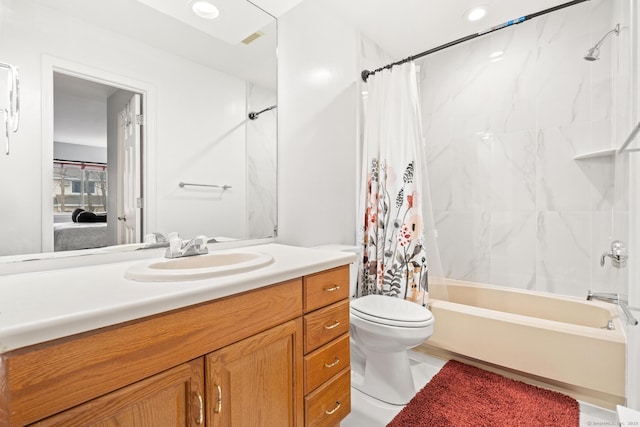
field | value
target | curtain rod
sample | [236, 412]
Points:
[366, 73]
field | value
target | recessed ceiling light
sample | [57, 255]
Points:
[205, 10]
[476, 13]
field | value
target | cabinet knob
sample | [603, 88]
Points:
[332, 288]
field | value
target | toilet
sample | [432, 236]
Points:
[383, 328]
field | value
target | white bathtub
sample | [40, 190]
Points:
[554, 339]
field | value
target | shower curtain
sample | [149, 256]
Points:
[393, 260]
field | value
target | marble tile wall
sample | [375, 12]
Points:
[504, 115]
[261, 162]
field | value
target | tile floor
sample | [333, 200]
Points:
[368, 412]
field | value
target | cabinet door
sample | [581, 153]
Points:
[257, 382]
[171, 398]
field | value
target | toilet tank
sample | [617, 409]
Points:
[353, 268]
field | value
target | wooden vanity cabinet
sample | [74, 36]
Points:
[235, 361]
[327, 360]
[47, 379]
[249, 383]
[253, 382]
[171, 398]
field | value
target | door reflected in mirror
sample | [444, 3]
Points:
[97, 142]
[197, 82]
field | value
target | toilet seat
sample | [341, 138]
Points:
[391, 311]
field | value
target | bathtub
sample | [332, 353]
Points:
[553, 339]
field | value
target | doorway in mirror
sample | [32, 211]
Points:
[97, 145]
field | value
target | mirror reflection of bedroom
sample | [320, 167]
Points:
[93, 123]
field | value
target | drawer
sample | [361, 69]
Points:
[325, 362]
[330, 403]
[325, 325]
[325, 288]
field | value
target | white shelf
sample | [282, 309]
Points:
[602, 153]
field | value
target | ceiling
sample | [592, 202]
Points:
[402, 28]
[227, 26]
[407, 27]
[216, 45]
[275, 7]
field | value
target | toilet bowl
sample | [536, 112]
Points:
[383, 328]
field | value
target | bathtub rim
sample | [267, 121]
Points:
[618, 334]
[445, 282]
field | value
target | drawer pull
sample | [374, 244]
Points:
[200, 410]
[219, 404]
[333, 288]
[335, 325]
[334, 410]
[331, 365]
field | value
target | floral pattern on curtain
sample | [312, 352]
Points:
[394, 260]
[393, 256]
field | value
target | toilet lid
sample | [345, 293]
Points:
[391, 311]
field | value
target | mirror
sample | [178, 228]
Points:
[136, 113]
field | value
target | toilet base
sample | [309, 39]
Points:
[387, 377]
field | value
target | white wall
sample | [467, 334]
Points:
[202, 141]
[211, 154]
[633, 335]
[80, 119]
[317, 97]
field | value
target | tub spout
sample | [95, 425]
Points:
[607, 297]
[614, 299]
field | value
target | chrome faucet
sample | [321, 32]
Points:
[179, 248]
[600, 296]
[614, 299]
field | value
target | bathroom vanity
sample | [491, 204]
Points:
[267, 347]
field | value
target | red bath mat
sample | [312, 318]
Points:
[462, 395]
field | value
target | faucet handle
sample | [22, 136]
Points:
[617, 253]
[175, 242]
[603, 256]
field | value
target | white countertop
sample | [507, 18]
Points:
[41, 306]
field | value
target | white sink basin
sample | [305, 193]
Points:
[198, 266]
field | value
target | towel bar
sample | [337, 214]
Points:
[184, 184]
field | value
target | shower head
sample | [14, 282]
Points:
[593, 54]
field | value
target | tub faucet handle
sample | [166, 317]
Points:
[617, 253]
